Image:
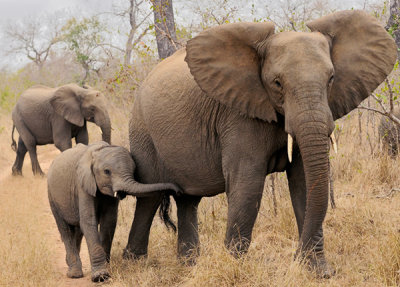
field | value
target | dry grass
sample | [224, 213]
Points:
[362, 234]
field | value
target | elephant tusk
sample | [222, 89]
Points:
[115, 194]
[333, 141]
[290, 147]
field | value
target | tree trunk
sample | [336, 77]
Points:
[129, 46]
[394, 21]
[165, 27]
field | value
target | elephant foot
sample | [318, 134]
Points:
[40, 173]
[129, 255]
[188, 261]
[100, 275]
[317, 264]
[238, 248]
[16, 172]
[188, 256]
[75, 272]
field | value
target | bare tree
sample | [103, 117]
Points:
[164, 25]
[293, 14]
[138, 18]
[33, 38]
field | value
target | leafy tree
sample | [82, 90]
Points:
[84, 37]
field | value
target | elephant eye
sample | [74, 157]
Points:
[107, 171]
[331, 80]
[278, 84]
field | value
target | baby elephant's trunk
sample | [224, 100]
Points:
[132, 187]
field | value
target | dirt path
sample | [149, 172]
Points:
[46, 155]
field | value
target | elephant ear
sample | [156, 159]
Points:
[66, 103]
[225, 64]
[84, 171]
[363, 54]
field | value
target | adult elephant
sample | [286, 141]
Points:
[46, 115]
[224, 112]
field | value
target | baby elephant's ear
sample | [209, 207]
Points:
[85, 176]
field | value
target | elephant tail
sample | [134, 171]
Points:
[14, 143]
[164, 212]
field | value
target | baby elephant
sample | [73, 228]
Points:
[85, 184]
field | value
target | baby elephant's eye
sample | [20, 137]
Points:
[107, 171]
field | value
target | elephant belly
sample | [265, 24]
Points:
[165, 152]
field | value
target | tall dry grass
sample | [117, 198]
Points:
[362, 235]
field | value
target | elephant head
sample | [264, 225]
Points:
[110, 170]
[306, 79]
[75, 104]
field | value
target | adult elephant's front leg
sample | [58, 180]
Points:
[298, 195]
[244, 192]
[138, 241]
[188, 235]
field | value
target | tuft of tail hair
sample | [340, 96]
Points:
[14, 143]
[164, 212]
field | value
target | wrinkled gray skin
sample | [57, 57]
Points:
[46, 115]
[389, 134]
[82, 184]
[215, 117]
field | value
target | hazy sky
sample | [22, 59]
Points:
[14, 10]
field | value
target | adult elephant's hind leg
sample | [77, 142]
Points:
[19, 160]
[138, 241]
[244, 194]
[188, 235]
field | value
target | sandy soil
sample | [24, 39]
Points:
[45, 156]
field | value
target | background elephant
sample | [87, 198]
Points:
[46, 115]
[83, 186]
[224, 112]
[389, 134]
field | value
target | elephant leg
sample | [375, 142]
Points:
[30, 144]
[108, 222]
[88, 221]
[298, 195]
[82, 136]
[70, 235]
[62, 134]
[138, 240]
[78, 238]
[35, 163]
[244, 199]
[19, 161]
[188, 236]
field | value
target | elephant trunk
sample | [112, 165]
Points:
[134, 188]
[312, 127]
[314, 149]
[105, 125]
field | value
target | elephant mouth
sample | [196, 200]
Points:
[290, 145]
[120, 194]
